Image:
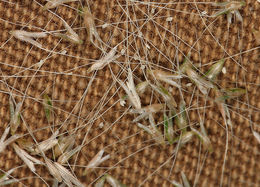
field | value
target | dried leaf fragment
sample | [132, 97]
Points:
[53, 170]
[168, 128]
[146, 111]
[170, 101]
[114, 182]
[181, 118]
[67, 177]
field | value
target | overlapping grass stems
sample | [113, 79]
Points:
[175, 129]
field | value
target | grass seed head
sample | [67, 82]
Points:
[28, 36]
[47, 107]
[88, 21]
[100, 64]
[15, 117]
[65, 143]
[185, 180]
[114, 182]
[53, 170]
[71, 35]
[67, 155]
[28, 159]
[47, 144]
[55, 3]
[257, 136]
[96, 161]
[215, 69]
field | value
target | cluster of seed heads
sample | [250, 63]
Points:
[176, 126]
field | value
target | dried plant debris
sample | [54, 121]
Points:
[89, 23]
[170, 124]
[257, 36]
[70, 35]
[60, 173]
[109, 179]
[146, 111]
[131, 90]
[29, 36]
[96, 161]
[48, 107]
[166, 77]
[229, 8]
[28, 159]
[5, 180]
[65, 144]
[55, 3]
[202, 84]
[68, 154]
[257, 136]
[15, 116]
[3, 142]
[47, 144]
[100, 64]
[215, 70]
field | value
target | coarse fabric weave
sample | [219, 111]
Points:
[135, 158]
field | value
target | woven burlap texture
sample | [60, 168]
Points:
[65, 78]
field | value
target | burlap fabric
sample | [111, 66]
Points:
[134, 155]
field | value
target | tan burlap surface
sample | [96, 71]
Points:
[134, 155]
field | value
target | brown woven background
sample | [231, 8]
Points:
[137, 156]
